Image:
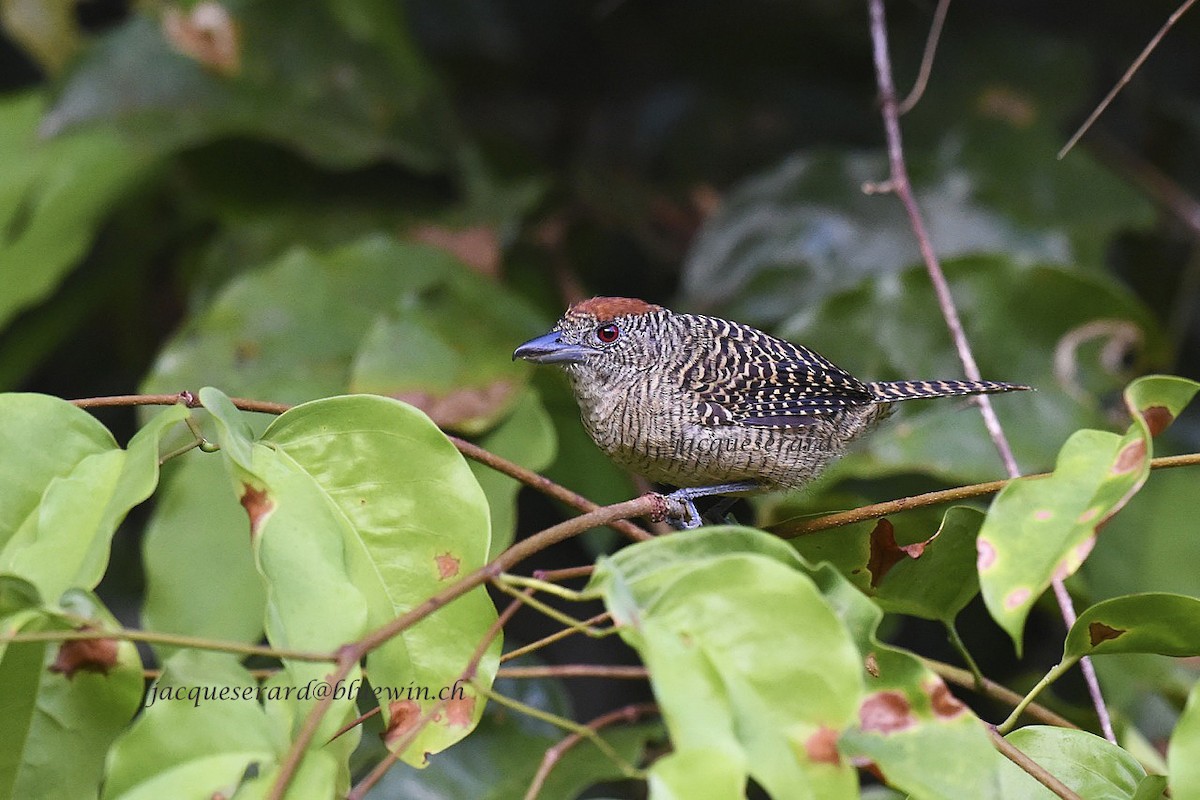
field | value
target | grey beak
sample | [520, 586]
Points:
[549, 348]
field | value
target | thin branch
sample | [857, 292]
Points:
[170, 639]
[562, 633]
[931, 43]
[628, 714]
[789, 529]
[1128, 76]
[565, 574]
[901, 185]
[576, 671]
[1034, 769]
[646, 505]
[469, 450]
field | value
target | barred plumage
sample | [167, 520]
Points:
[694, 401]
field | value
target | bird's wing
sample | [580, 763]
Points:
[780, 393]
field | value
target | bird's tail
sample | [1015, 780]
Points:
[893, 391]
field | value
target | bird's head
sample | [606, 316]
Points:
[598, 334]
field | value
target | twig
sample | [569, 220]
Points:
[903, 188]
[931, 43]
[169, 639]
[469, 450]
[646, 505]
[789, 529]
[1128, 76]
[1034, 769]
[899, 183]
[576, 671]
[562, 633]
[543, 485]
[630, 713]
[563, 574]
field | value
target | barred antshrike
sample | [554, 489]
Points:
[713, 406]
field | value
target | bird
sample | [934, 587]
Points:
[712, 406]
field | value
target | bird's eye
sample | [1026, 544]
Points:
[608, 334]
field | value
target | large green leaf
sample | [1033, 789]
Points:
[1044, 528]
[54, 196]
[378, 315]
[746, 659]
[360, 509]
[1091, 766]
[718, 731]
[74, 697]
[341, 83]
[65, 485]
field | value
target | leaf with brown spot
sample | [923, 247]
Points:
[1152, 622]
[447, 565]
[885, 712]
[1158, 419]
[460, 710]
[885, 553]
[403, 715]
[258, 505]
[1130, 457]
[1099, 632]
[942, 701]
[822, 746]
[89, 655]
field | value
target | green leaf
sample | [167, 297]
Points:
[201, 744]
[1044, 528]
[200, 574]
[69, 489]
[1167, 624]
[360, 509]
[1091, 766]
[345, 86]
[55, 195]
[1183, 754]
[74, 697]
[745, 658]
[940, 579]
[378, 315]
[526, 438]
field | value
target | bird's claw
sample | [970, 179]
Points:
[681, 513]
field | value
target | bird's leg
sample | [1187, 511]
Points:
[687, 496]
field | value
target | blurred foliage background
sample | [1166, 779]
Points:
[290, 201]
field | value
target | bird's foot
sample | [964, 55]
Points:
[681, 508]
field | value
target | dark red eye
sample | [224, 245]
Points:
[608, 333]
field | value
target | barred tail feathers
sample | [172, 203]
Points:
[894, 391]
